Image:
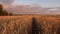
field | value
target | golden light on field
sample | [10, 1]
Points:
[29, 24]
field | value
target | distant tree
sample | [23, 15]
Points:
[10, 14]
[1, 8]
[3, 12]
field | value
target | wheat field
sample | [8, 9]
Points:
[48, 24]
[29, 24]
[15, 24]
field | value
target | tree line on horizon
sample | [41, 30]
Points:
[3, 12]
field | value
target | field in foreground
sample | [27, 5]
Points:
[30, 24]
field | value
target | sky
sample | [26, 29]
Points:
[43, 3]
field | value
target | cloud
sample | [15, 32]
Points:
[6, 1]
